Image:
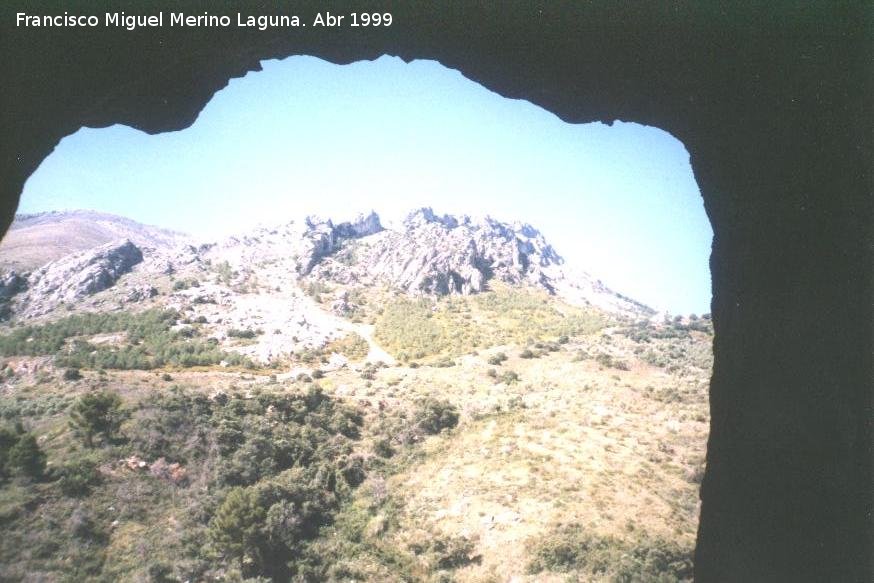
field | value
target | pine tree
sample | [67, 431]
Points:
[236, 527]
[27, 457]
[97, 414]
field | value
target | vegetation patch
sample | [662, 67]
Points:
[152, 342]
[451, 326]
[216, 488]
[571, 548]
[352, 345]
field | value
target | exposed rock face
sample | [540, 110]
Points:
[305, 242]
[361, 226]
[442, 254]
[141, 293]
[79, 275]
[427, 254]
[322, 237]
[448, 255]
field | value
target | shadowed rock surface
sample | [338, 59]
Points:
[445, 255]
[772, 102]
[77, 276]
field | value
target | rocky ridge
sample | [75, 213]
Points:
[74, 277]
[434, 254]
[36, 239]
[297, 284]
[427, 254]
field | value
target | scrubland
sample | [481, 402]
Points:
[513, 438]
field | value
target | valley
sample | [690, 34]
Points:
[440, 400]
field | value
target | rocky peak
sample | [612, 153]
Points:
[444, 254]
[361, 226]
[425, 215]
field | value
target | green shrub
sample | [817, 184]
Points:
[447, 552]
[26, 457]
[150, 343]
[383, 448]
[8, 439]
[78, 477]
[289, 452]
[248, 333]
[353, 346]
[72, 374]
[236, 527]
[432, 415]
[572, 548]
[98, 413]
[497, 359]
[609, 361]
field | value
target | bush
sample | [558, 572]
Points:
[26, 457]
[8, 439]
[248, 333]
[78, 477]
[382, 447]
[352, 346]
[527, 353]
[608, 361]
[432, 415]
[571, 548]
[509, 377]
[97, 413]
[72, 374]
[497, 359]
[151, 342]
[236, 527]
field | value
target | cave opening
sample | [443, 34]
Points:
[575, 412]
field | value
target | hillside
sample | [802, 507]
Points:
[440, 400]
[36, 239]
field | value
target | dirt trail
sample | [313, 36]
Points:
[376, 352]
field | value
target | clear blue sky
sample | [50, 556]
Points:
[307, 136]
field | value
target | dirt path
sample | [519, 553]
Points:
[376, 352]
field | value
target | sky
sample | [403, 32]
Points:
[305, 136]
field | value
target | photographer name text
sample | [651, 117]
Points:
[132, 22]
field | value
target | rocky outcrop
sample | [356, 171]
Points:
[361, 226]
[443, 254]
[74, 277]
[322, 237]
[141, 293]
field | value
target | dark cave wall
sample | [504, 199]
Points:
[772, 104]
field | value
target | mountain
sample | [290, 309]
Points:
[438, 399]
[36, 239]
[427, 255]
